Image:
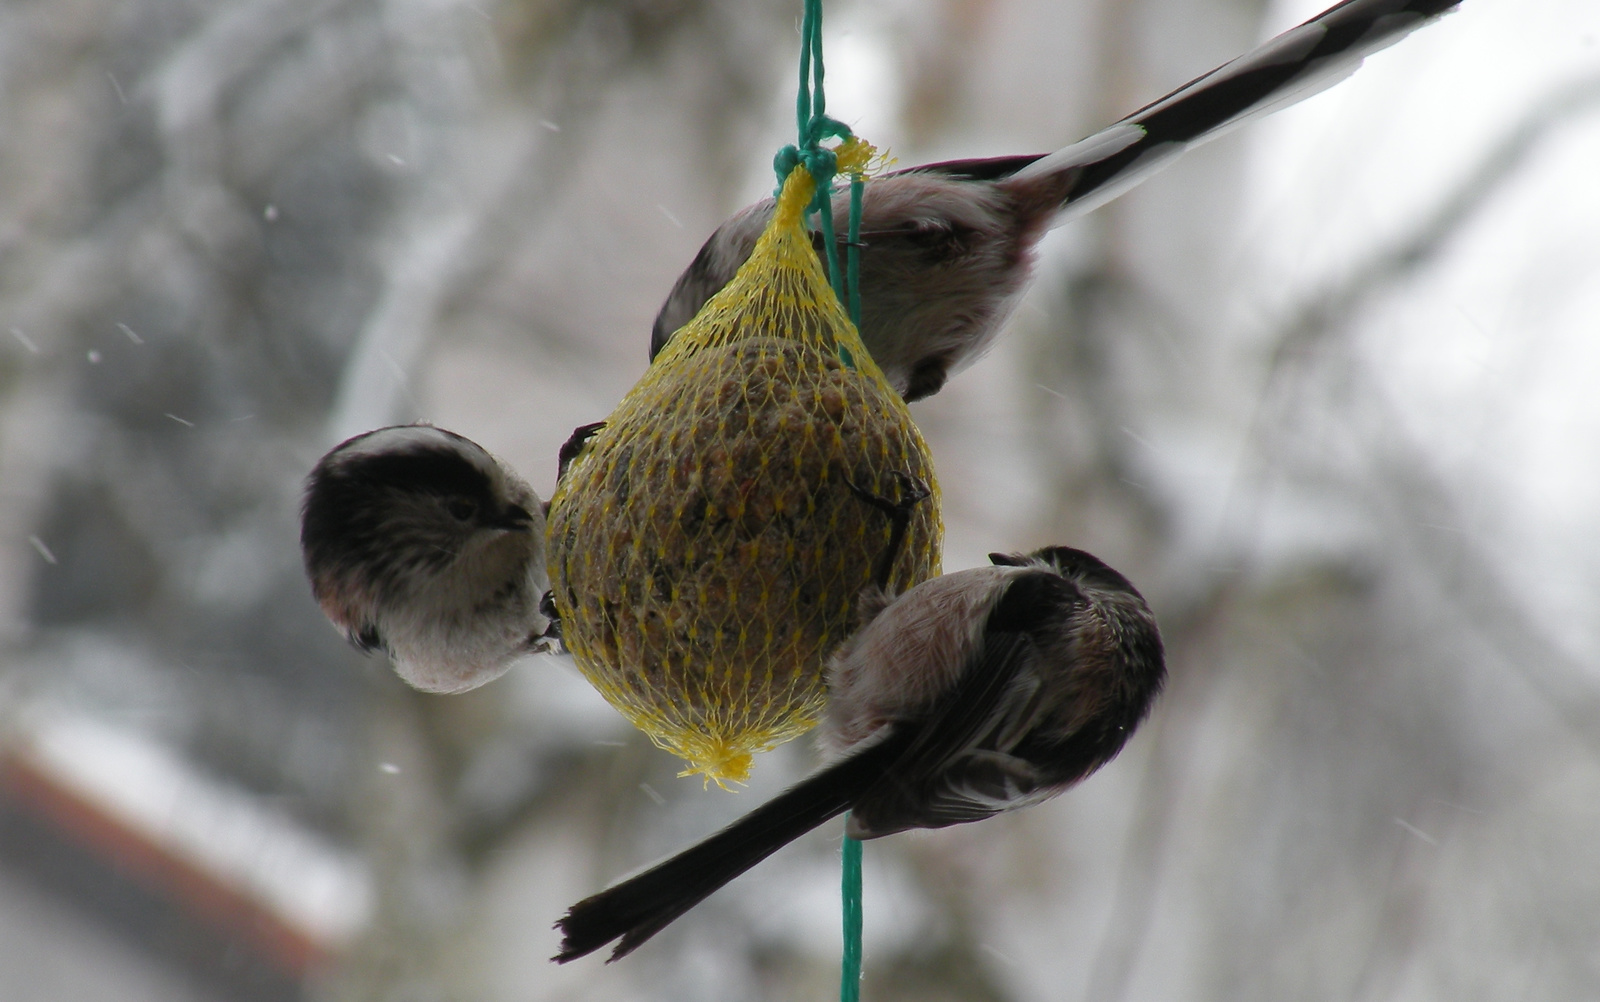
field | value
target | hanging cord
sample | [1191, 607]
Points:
[850, 894]
[852, 156]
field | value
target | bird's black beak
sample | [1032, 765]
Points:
[514, 519]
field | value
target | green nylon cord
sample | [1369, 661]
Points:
[815, 126]
[850, 967]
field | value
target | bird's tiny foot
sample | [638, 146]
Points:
[912, 493]
[574, 445]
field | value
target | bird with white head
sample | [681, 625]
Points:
[420, 543]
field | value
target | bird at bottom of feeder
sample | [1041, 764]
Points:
[978, 692]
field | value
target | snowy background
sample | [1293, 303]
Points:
[1327, 390]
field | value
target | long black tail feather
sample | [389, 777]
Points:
[1327, 48]
[642, 906]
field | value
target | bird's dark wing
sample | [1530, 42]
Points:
[959, 765]
[947, 775]
[979, 169]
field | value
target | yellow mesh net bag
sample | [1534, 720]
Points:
[706, 548]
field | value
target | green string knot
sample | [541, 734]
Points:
[822, 164]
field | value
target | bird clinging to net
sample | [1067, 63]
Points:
[975, 693]
[418, 542]
[947, 248]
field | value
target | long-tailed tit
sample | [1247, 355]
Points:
[419, 542]
[974, 693]
[948, 247]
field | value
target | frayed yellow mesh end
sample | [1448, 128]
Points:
[857, 156]
[705, 549]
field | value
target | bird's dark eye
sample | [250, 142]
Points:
[461, 509]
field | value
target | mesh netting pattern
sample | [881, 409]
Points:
[706, 548]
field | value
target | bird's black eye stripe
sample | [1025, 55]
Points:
[344, 500]
[439, 472]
